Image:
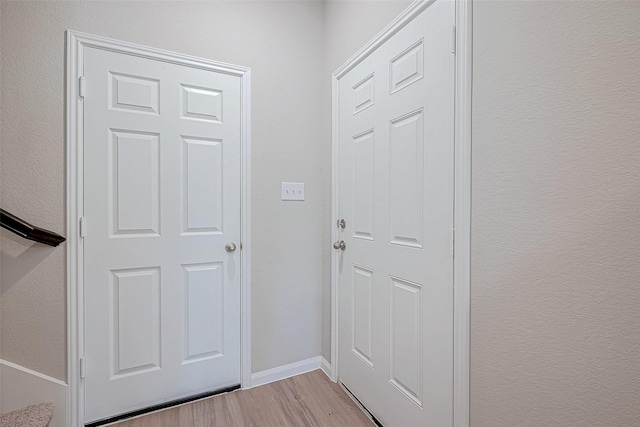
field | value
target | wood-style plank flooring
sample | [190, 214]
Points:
[307, 400]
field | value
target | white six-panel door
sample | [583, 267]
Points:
[395, 185]
[161, 201]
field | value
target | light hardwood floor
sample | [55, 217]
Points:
[307, 400]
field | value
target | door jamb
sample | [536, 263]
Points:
[462, 193]
[76, 42]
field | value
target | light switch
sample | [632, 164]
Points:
[293, 191]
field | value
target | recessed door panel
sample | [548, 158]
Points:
[364, 94]
[135, 183]
[406, 163]
[364, 185]
[204, 311]
[407, 67]
[406, 338]
[201, 103]
[363, 313]
[135, 313]
[203, 185]
[134, 93]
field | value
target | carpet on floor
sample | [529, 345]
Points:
[31, 416]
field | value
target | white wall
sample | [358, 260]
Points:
[282, 42]
[555, 316]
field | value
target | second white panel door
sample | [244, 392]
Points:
[395, 285]
[162, 199]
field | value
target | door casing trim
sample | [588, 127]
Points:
[462, 193]
[76, 42]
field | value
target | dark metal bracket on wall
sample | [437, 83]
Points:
[28, 231]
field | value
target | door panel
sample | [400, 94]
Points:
[362, 313]
[135, 310]
[406, 338]
[203, 185]
[135, 187]
[162, 198]
[364, 188]
[406, 147]
[204, 312]
[395, 277]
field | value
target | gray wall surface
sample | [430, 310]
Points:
[555, 279]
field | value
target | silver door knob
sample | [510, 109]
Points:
[230, 247]
[340, 245]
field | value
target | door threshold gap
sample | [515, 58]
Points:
[360, 405]
[162, 406]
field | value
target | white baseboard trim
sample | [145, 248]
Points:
[285, 371]
[325, 366]
[23, 387]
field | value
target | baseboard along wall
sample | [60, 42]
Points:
[287, 371]
[325, 366]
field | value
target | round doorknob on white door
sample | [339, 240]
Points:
[340, 245]
[230, 247]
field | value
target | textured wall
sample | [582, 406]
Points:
[349, 25]
[281, 41]
[555, 318]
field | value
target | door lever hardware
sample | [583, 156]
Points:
[342, 223]
[230, 247]
[340, 245]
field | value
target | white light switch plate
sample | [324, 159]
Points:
[293, 191]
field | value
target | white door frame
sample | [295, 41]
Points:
[76, 43]
[462, 193]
